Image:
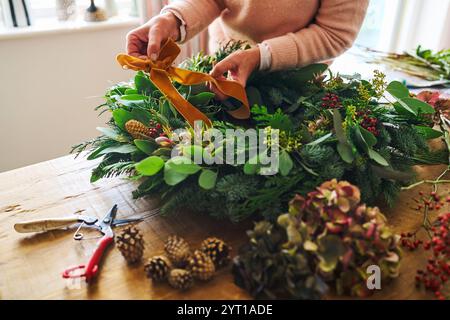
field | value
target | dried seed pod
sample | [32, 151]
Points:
[217, 250]
[131, 244]
[181, 279]
[201, 266]
[177, 250]
[157, 268]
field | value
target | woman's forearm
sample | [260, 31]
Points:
[196, 14]
[332, 32]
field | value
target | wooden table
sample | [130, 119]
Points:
[31, 265]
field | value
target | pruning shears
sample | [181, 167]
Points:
[104, 226]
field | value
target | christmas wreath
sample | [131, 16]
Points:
[326, 126]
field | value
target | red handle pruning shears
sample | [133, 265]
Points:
[91, 268]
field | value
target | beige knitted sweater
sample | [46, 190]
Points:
[297, 32]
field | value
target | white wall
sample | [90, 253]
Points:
[49, 85]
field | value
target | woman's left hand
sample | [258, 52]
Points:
[239, 65]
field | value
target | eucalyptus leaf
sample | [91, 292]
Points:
[321, 139]
[171, 176]
[378, 158]
[183, 165]
[150, 166]
[207, 179]
[345, 151]
[285, 163]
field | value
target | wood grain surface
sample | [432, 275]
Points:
[31, 264]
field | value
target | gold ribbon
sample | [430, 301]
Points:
[162, 73]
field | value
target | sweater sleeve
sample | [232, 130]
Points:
[333, 30]
[197, 14]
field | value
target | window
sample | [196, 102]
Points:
[399, 25]
[44, 14]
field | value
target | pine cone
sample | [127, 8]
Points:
[201, 266]
[181, 279]
[177, 250]
[131, 244]
[217, 250]
[137, 129]
[157, 268]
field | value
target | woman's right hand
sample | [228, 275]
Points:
[145, 41]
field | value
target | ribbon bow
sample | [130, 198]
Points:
[162, 72]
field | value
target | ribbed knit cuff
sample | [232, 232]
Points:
[197, 15]
[182, 23]
[284, 52]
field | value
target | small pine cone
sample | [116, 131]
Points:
[217, 250]
[181, 279]
[137, 129]
[201, 266]
[131, 244]
[177, 250]
[157, 268]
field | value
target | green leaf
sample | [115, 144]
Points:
[418, 106]
[202, 98]
[252, 166]
[343, 147]
[254, 96]
[96, 153]
[143, 84]
[320, 140]
[131, 91]
[122, 116]
[368, 136]
[150, 166]
[403, 109]
[145, 146]
[285, 163]
[183, 165]
[365, 139]
[132, 97]
[207, 179]
[300, 76]
[112, 134]
[172, 177]
[428, 133]
[345, 151]
[123, 148]
[378, 158]
[397, 90]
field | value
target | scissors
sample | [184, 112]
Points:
[104, 226]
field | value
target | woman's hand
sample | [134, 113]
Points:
[239, 65]
[146, 41]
